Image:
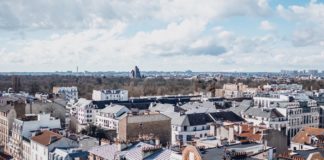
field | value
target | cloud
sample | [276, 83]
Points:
[79, 14]
[157, 35]
[309, 21]
[266, 25]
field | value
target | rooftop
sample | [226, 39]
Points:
[46, 137]
[303, 135]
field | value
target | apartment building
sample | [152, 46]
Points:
[84, 111]
[26, 127]
[145, 126]
[67, 92]
[299, 115]
[267, 100]
[236, 91]
[7, 116]
[269, 118]
[44, 143]
[283, 87]
[308, 138]
[117, 95]
[108, 117]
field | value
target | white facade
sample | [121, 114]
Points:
[300, 117]
[26, 128]
[67, 92]
[26, 150]
[118, 95]
[41, 96]
[43, 152]
[267, 101]
[84, 111]
[283, 87]
[264, 117]
[108, 117]
[186, 133]
[38, 151]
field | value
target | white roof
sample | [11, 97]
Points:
[114, 108]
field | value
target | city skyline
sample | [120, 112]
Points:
[249, 36]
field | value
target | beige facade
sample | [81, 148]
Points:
[134, 127]
[235, 91]
[7, 115]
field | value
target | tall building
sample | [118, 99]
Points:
[135, 73]
[16, 85]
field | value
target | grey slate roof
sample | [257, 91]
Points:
[306, 153]
[227, 116]
[243, 106]
[113, 108]
[265, 113]
[162, 107]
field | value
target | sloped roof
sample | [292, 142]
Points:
[243, 106]
[199, 119]
[306, 153]
[177, 118]
[46, 138]
[135, 152]
[114, 108]
[107, 151]
[162, 107]
[227, 116]
[162, 154]
[266, 113]
[302, 136]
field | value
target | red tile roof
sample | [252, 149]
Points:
[302, 136]
[46, 137]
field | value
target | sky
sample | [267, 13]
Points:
[161, 35]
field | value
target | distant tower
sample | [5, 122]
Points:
[16, 85]
[135, 73]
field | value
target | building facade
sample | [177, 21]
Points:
[146, 126]
[117, 95]
[108, 117]
[67, 92]
[7, 116]
[26, 127]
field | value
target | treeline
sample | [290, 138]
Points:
[136, 87]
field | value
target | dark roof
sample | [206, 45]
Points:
[80, 154]
[305, 153]
[199, 119]
[227, 116]
[212, 153]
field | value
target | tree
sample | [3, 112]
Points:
[34, 88]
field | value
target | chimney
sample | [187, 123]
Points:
[157, 141]
[240, 129]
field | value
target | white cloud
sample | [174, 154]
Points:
[179, 35]
[266, 25]
[62, 14]
[309, 21]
